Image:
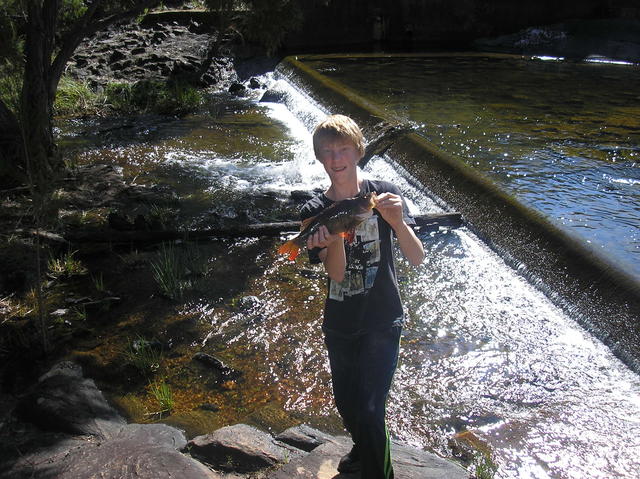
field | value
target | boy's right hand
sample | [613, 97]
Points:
[321, 238]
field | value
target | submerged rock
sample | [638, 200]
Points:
[225, 371]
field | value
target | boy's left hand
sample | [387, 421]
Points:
[390, 208]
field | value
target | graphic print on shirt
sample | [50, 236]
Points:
[363, 257]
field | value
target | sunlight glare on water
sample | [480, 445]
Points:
[485, 352]
[486, 359]
[552, 133]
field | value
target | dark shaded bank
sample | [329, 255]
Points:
[64, 428]
[603, 298]
[433, 24]
[617, 39]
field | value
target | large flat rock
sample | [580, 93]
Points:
[140, 451]
[408, 463]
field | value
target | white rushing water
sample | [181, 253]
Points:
[484, 351]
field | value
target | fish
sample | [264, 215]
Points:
[341, 217]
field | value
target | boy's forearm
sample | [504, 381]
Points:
[335, 260]
[410, 245]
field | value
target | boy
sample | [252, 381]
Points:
[363, 313]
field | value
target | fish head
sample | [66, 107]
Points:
[365, 205]
[372, 200]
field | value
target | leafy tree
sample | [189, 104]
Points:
[268, 21]
[38, 38]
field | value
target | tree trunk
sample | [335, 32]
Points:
[41, 158]
[11, 149]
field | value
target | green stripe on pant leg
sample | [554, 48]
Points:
[388, 468]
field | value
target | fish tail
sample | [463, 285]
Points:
[290, 248]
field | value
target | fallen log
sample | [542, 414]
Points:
[433, 222]
[386, 135]
[424, 223]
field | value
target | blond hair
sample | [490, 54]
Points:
[337, 127]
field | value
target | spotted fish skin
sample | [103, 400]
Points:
[340, 218]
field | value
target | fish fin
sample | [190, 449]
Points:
[349, 236]
[290, 248]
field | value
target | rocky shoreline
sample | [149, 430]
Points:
[63, 427]
[167, 51]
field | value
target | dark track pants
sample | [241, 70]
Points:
[362, 369]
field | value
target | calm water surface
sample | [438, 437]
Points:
[486, 358]
[563, 137]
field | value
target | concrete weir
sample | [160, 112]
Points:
[588, 286]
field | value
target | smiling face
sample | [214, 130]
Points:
[340, 158]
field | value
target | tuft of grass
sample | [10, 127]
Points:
[94, 217]
[75, 97]
[162, 215]
[485, 468]
[141, 354]
[98, 283]
[173, 98]
[79, 314]
[177, 270]
[168, 272]
[66, 266]
[162, 393]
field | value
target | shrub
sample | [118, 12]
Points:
[150, 96]
[75, 97]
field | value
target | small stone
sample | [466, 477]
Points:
[237, 89]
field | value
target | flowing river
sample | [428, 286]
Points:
[486, 358]
[564, 137]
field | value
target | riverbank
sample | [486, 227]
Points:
[71, 431]
[103, 302]
[119, 294]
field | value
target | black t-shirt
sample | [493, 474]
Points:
[368, 298]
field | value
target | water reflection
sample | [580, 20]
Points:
[485, 358]
[553, 133]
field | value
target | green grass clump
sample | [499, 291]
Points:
[162, 392]
[141, 354]
[66, 266]
[177, 270]
[168, 270]
[148, 96]
[485, 468]
[75, 97]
